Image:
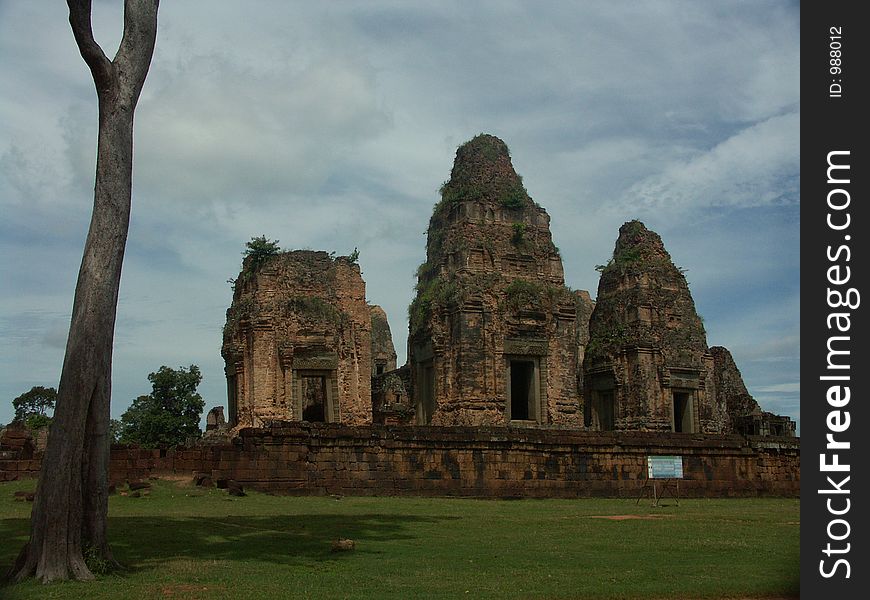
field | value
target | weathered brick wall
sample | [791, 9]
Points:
[18, 456]
[486, 462]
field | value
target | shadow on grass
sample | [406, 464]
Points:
[143, 543]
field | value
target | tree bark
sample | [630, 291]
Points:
[71, 504]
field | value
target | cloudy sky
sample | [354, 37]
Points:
[332, 125]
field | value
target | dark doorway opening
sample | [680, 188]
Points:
[232, 400]
[683, 412]
[522, 389]
[426, 394]
[314, 398]
[605, 411]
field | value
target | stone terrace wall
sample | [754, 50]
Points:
[458, 461]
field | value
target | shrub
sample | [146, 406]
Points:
[258, 251]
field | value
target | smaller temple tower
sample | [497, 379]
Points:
[383, 351]
[647, 365]
[298, 341]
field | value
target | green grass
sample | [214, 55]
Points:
[185, 542]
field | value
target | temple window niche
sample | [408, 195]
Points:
[523, 388]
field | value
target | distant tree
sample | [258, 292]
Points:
[70, 511]
[31, 408]
[169, 414]
[115, 429]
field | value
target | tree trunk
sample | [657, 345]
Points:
[71, 505]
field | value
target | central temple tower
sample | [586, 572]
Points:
[495, 336]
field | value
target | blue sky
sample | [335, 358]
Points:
[332, 126]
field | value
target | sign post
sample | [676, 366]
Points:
[669, 469]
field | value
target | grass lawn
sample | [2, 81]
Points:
[186, 542]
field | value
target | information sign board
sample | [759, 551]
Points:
[665, 467]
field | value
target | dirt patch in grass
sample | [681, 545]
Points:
[627, 517]
[187, 591]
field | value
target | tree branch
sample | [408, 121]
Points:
[137, 47]
[95, 58]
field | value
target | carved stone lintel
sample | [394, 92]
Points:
[424, 352]
[603, 382]
[322, 362]
[681, 378]
[526, 347]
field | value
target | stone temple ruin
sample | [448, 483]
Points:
[495, 336]
[298, 341]
[648, 366]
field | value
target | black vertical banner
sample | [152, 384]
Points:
[835, 224]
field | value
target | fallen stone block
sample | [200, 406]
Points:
[343, 545]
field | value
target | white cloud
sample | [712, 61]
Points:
[30, 173]
[784, 388]
[214, 128]
[758, 166]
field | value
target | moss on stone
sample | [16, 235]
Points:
[483, 172]
[314, 308]
[641, 276]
